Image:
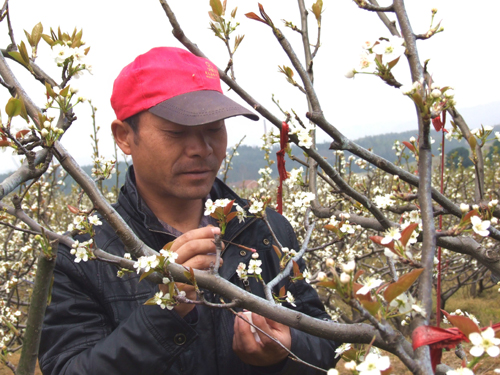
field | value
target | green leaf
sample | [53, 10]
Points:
[472, 142]
[402, 285]
[17, 56]
[24, 112]
[28, 37]
[146, 274]
[24, 53]
[36, 34]
[217, 7]
[64, 92]
[50, 92]
[371, 306]
[13, 107]
[48, 39]
[150, 302]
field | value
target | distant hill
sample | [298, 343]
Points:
[250, 159]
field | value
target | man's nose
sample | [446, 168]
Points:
[199, 145]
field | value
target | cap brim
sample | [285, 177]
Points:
[199, 108]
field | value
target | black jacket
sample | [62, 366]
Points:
[97, 323]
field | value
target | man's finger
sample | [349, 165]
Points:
[195, 234]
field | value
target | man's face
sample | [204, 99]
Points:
[176, 162]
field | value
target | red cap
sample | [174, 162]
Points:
[176, 85]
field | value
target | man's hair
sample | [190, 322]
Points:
[133, 122]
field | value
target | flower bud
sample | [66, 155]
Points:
[494, 221]
[329, 262]
[350, 73]
[464, 207]
[255, 255]
[344, 278]
[436, 93]
[46, 124]
[350, 366]
[44, 133]
[475, 207]
[321, 276]
[349, 266]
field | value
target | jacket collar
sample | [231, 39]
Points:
[133, 204]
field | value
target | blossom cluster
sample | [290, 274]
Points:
[378, 56]
[103, 168]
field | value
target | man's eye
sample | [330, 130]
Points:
[215, 130]
[174, 134]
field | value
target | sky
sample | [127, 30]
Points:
[464, 56]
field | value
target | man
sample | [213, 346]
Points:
[170, 118]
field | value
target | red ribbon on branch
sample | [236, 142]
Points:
[281, 165]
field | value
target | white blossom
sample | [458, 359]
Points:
[371, 283]
[391, 234]
[254, 266]
[460, 371]
[389, 50]
[290, 298]
[256, 207]
[209, 207]
[240, 270]
[94, 220]
[373, 364]
[479, 226]
[61, 52]
[484, 342]
[146, 263]
[169, 255]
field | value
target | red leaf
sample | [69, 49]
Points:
[437, 339]
[21, 133]
[438, 124]
[231, 216]
[464, 324]
[4, 143]
[228, 207]
[390, 245]
[296, 269]
[402, 285]
[328, 284]
[407, 232]
[409, 145]
[282, 291]
[73, 210]
[361, 297]
[358, 274]
[469, 215]
[277, 251]
[255, 17]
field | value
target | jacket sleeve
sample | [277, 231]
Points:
[79, 337]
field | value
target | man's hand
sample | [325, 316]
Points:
[196, 249]
[263, 353]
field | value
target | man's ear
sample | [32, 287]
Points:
[123, 134]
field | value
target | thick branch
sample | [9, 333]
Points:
[36, 313]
